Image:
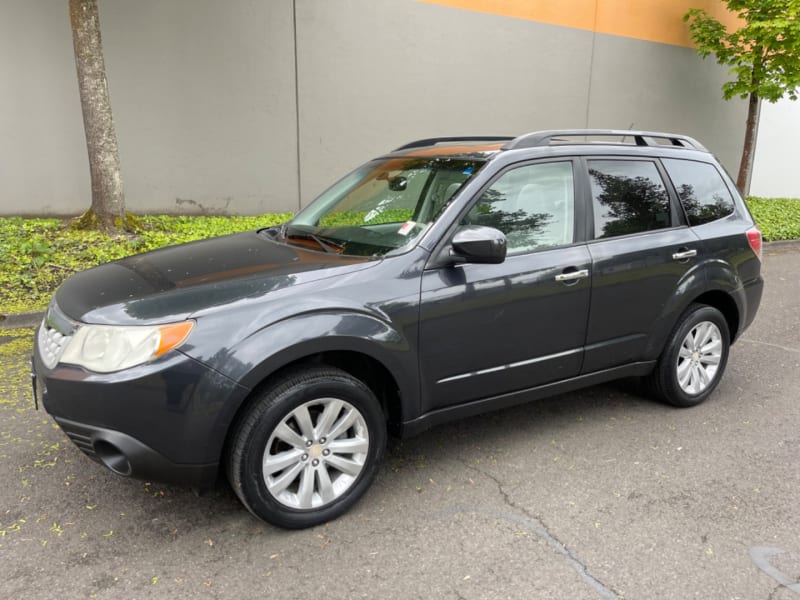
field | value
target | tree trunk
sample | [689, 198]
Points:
[749, 150]
[108, 200]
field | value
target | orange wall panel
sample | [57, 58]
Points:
[572, 13]
[653, 20]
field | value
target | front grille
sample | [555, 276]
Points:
[54, 334]
[51, 345]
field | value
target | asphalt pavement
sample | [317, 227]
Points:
[596, 494]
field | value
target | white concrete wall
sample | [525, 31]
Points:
[658, 87]
[776, 171]
[43, 161]
[250, 106]
[376, 73]
[203, 97]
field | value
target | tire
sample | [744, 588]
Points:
[308, 448]
[694, 359]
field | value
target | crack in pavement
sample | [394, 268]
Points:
[535, 525]
[760, 343]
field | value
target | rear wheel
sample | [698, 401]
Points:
[694, 358]
[308, 448]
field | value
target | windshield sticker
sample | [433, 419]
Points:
[406, 227]
[467, 171]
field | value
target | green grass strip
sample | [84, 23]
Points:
[36, 255]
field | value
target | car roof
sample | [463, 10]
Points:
[487, 146]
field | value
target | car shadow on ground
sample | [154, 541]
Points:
[172, 508]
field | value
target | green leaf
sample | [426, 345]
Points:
[36, 255]
[763, 54]
[778, 218]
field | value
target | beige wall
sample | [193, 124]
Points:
[212, 115]
[203, 95]
[43, 165]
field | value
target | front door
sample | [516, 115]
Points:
[486, 330]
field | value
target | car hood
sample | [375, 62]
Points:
[175, 282]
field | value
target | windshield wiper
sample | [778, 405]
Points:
[326, 244]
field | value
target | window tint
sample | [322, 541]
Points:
[532, 205]
[703, 193]
[629, 197]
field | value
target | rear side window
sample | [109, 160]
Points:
[628, 196]
[702, 191]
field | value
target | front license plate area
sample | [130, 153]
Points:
[38, 392]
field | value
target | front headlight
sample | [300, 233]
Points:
[109, 348]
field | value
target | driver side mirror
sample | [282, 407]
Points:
[478, 244]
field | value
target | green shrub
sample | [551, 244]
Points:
[778, 218]
[36, 255]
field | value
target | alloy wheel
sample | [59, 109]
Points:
[699, 357]
[315, 454]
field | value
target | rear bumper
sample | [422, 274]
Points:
[752, 291]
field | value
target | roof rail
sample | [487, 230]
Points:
[641, 138]
[470, 138]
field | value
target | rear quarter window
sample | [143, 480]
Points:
[701, 189]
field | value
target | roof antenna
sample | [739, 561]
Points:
[630, 128]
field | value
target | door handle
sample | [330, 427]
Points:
[573, 275]
[684, 254]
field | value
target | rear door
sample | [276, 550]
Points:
[643, 255]
[486, 330]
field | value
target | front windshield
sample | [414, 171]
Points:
[382, 206]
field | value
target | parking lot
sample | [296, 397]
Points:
[595, 494]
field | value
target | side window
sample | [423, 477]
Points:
[532, 205]
[703, 193]
[629, 196]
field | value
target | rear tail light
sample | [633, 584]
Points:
[754, 238]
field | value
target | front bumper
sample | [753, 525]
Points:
[162, 421]
[127, 456]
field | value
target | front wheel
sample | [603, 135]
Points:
[308, 448]
[694, 358]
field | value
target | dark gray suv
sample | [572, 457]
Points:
[450, 277]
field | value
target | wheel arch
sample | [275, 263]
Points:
[708, 283]
[363, 346]
[374, 374]
[725, 304]
[722, 300]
